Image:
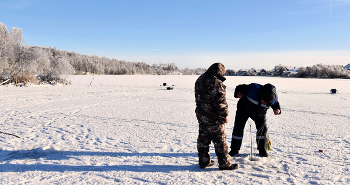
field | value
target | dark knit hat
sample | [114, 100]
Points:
[268, 97]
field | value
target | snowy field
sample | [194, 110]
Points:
[131, 130]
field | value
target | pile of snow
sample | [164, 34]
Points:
[131, 130]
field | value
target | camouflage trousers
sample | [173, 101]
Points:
[217, 135]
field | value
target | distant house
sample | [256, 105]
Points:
[263, 72]
[230, 72]
[291, 71]
[290, 68]
[242, 72]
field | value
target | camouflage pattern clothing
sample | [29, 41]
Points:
[211, 112]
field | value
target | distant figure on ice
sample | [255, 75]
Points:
[254, 101]
[212, 114]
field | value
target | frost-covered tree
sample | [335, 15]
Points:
[251, 72]
[334, 71]
[279, 69]
[230, 72]
[3, 39]
[3, 49]
[35, 60]
[302, 72]
[323, 71]
[315, 70]
[61, 67]
[18, 51]
[42, 60]
[187, 71]
[14, 56]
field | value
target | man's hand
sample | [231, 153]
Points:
[277, 111]
[227, 119]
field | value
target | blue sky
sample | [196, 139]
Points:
[191, 33]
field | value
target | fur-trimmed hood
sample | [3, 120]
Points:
[218, 70]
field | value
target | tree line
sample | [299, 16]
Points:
[22, 63]
[315, 71]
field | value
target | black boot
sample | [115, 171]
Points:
[211, 163]
[233, 152]
[232, 167]
[263, 153]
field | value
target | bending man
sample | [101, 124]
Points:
[254, 101]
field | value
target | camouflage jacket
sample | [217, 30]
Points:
[210, 94]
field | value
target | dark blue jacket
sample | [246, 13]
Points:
[252, 92]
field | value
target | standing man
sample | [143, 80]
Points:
[254, 101]
[212, 114]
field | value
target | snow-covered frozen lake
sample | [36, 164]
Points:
[131, 130]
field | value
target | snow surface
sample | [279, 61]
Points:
[131, 130]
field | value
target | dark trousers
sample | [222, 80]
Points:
[217, 134]
[238, 130]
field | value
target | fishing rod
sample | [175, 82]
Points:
[267, 142]
[9, 134]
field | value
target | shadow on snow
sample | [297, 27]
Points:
[39, 153]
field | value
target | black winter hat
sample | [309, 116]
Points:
[268, 93]
[268, 97]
